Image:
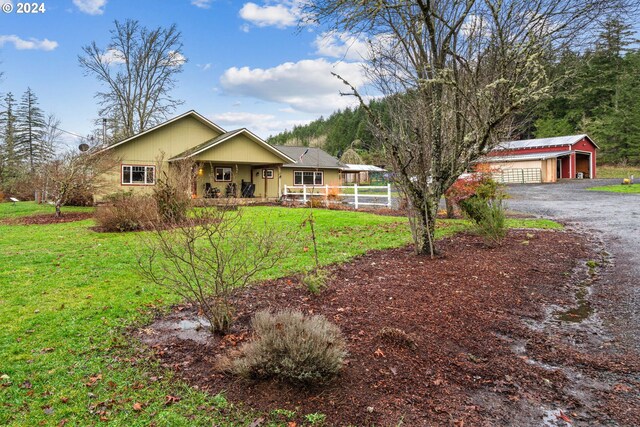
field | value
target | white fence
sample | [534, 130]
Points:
[357, 195]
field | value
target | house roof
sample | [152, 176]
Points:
[194, 151]
[524, 157]
[350, 167]
[543, 142]
[191, 113]
[314, 157]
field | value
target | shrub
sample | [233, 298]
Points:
[212, 253]
[479, 197]
[315, 280]
[125, 212]
[171, 201]
[316, 202]
[292, 347]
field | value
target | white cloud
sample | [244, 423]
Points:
[245, 28]
[202, 4]
[280, 14]
[342, 46]
[31, 44]
[204, 67]
[91, 7]
[112, 57]
[305, 85]
[262, 125]
[176, 59]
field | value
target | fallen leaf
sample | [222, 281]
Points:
[621, 387]
[137, 406]
[62, 422]
[379, 353]
[169, 400]
[292, 424]
[563, 417]
[257, 422]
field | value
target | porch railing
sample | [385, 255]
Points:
[356, 195]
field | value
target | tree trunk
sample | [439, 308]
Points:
[425, 223]
[58, 212]
[450, 208]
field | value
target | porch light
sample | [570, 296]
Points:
[200, 171]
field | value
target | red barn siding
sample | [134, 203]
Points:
[568, 162]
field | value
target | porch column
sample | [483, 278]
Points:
[279, 182]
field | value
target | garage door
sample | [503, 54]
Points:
[519, 176]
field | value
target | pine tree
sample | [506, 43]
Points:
[9, 160]
[31, 126]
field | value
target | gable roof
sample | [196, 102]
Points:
[543, 142]
[194, 151]
[191, 113]
[314, 157]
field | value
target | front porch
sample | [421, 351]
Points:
[224, 180]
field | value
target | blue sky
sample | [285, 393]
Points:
[248, 63]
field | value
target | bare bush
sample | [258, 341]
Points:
[126, 212]
[211, 253]
[171, 192]
[293, 347]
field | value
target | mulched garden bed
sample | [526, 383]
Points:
[467, 359]
[43, 219]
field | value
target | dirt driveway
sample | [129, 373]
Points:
[615, 219]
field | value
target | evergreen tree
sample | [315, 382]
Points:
[30, 129]
[9, 160]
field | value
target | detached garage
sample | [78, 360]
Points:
[544, 159]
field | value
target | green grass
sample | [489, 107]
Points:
[11, 210]
[68, 296]
[631, 189]
[610, 171]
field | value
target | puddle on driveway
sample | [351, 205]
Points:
[584, 309]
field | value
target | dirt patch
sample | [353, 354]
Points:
[43, 219]
[475, 348]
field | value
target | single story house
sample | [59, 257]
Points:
[234, 163]
[544, 159]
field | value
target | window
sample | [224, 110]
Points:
[308, 178]
[267, 173]
[223, 174]
[138, 175]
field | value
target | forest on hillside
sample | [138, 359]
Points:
[600, 97]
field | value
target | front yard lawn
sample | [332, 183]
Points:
[69, 295]
[631, 189]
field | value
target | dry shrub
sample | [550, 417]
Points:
[316, 202]
[126, 212]
[397, 337]
[215, 251]
[290, 346]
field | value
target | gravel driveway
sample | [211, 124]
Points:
[613, 217]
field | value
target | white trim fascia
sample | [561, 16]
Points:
[235, 133]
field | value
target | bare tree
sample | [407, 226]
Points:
[139, 69]
[455, 72]
[213, 252]
[74, 173]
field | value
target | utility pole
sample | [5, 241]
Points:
[104, 131]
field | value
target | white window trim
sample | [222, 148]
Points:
[267, 172]
[215, 174]
[314, 177]
[146, 168]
